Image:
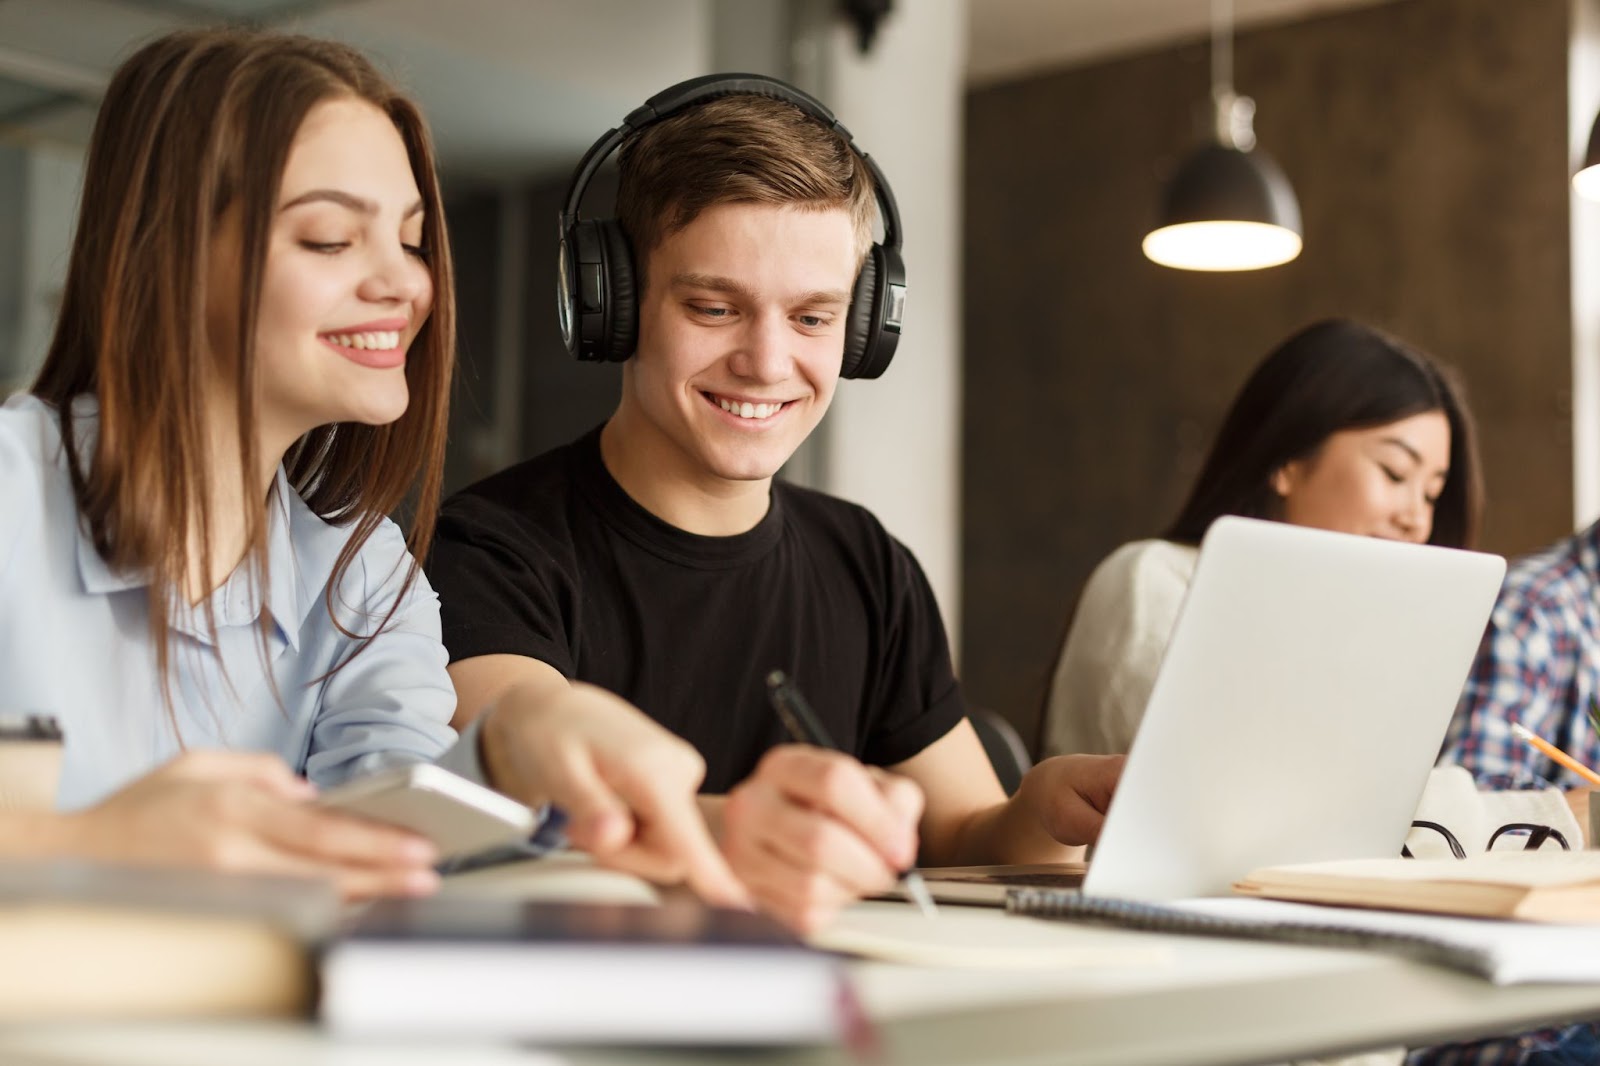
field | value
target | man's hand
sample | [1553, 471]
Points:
[627, 785]
[246, 813]
[1070, 795]
[812, 830]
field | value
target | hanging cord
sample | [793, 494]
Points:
[1234, 115]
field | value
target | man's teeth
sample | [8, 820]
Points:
[749, 410]
[378, 341]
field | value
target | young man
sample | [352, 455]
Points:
[657, 559]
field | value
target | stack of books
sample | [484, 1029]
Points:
[96, 942]
[92, 941]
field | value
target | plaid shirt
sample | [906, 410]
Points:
[1539, 664]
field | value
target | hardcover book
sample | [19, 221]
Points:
[678, 973]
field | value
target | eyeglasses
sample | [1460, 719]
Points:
[1537, 836]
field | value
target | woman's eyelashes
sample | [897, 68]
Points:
[415, 251]
[1398, 478]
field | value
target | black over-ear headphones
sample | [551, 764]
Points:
[595, 288]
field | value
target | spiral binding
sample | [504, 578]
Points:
[1154, 918]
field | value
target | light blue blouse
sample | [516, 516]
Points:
[75, 640]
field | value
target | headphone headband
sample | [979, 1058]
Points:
[675, 98]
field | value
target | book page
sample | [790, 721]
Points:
[1526, 869]
[565, 876]
[964, 938]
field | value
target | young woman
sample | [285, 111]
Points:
[1341, 427]
[250, 371]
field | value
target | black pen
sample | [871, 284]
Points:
[802, 723]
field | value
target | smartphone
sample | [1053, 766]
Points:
[459, 816]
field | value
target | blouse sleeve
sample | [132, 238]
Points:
[19, 488]
[1113, 650]
[389, 700]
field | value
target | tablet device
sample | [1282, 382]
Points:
[459, 816]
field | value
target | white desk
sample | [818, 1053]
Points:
[1214, 1001]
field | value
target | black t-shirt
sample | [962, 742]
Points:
[553, 560]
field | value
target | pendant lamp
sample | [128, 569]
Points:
[1228, 207]
[1587, 180]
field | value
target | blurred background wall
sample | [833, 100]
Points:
[1427, 142]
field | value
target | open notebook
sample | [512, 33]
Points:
[882, 932]
[1505, 952]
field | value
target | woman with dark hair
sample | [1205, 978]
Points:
[251, 370]
[1341, 427]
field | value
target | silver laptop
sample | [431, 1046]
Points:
[1301, 703]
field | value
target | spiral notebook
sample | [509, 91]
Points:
[1503, 952]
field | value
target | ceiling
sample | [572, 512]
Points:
[1011, 38]
[511, 87]
[516, 87]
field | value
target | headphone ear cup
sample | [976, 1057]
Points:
[872, 326]
[858, 327]
[620, 330]
[603, 317]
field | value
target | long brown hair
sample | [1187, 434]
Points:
[1333, 375]
[194, 125]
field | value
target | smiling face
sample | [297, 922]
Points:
[1382, 481]
[741, 336]
[345, 287]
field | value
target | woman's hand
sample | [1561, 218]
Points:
[627, 785]
[246, 813]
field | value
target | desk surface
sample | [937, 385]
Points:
[1213, 1001]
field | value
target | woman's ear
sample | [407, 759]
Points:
[1283, 479]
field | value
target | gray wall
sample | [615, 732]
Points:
[1427, 141]
[560, 397]
[13, 263]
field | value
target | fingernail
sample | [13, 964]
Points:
[421, 852]
[605, 830]
[421, 883]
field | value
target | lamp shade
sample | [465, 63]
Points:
[1587, 180]
[1226, 209]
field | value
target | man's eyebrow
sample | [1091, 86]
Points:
[825, 296]
[360, 205]
[713, 282]
[734, 287]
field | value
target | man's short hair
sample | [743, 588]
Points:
[737, 149]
